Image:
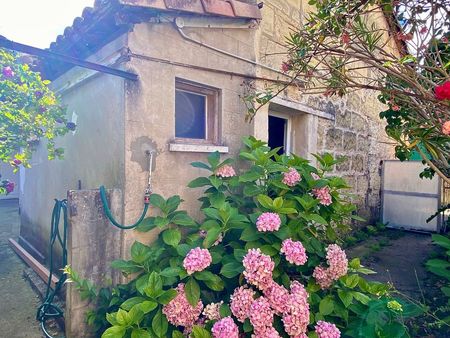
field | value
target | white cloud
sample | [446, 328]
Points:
[38, 22]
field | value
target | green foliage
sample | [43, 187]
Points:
[230, 207]
[345, 46]
[440, 266]
[29, 113]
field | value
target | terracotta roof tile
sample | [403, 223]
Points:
[108, 19]
[222, 8]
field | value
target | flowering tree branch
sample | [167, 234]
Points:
[343, 47]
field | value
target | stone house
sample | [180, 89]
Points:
[192, 58]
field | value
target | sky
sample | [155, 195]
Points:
[38, 22]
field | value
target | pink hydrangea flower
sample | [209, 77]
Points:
[278, 297]
[323, 194]
[225, 328]
[327, 330]
[197, 260]
[322, 277]
[292, 177]
[212, 311]
[296, 319]
[8, 72]
[268, 221]
[338, 267]
[266, 332]
[294, 251]
[241, 300]
[337, 260]
[446, 128]
[260, 315]
[258, 268]
[179, 312]
[225, 171]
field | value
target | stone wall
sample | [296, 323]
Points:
[352, 128]
[150, 108]
[93, 153]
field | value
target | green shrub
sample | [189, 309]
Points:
[231, 206]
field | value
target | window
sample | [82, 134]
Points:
[196, 113]
[280, 132]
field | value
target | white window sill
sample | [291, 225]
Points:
[197, 148]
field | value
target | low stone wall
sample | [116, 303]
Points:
[92, 244]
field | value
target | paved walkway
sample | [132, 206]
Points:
[397, 257]
[18, 302]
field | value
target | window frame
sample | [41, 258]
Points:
[212, 109]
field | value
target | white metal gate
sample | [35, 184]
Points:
[408, 200]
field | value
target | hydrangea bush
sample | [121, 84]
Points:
[264, 261]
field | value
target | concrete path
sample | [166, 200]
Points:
[18, 302]
[398, 257]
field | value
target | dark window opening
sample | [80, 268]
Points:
[197, 110]
[190, 115]
[277, 133]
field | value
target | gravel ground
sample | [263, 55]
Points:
[18, 302]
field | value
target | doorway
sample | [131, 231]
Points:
[279, 132]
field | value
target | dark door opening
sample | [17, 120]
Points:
[277, 133]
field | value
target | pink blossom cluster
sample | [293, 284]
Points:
[292, 177]
[225, 171]
[446, 128]
[322, 277]
[327, 330]
[258, 268]
[212, 311]
[197, 260]
[296, 317]
[294, 251]
[278, 297]
[338, 267]
[268, 332]
[179, 312]
[261, 317]
[323, 194]
[268, 221]
[241, 300]
[337, 260]
[225, 328]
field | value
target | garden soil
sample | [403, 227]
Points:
[18, 301]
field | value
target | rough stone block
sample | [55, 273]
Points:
[362, 185]
[344, 119]
[363, 143]
[344, 166]
[358, 163]
[97, 245]
[333, 139]
[351, 181]
[354, 102]
[358, 123]
[349, 141]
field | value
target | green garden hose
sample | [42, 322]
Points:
[49, 310]
[110, 216]
[147, 194]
